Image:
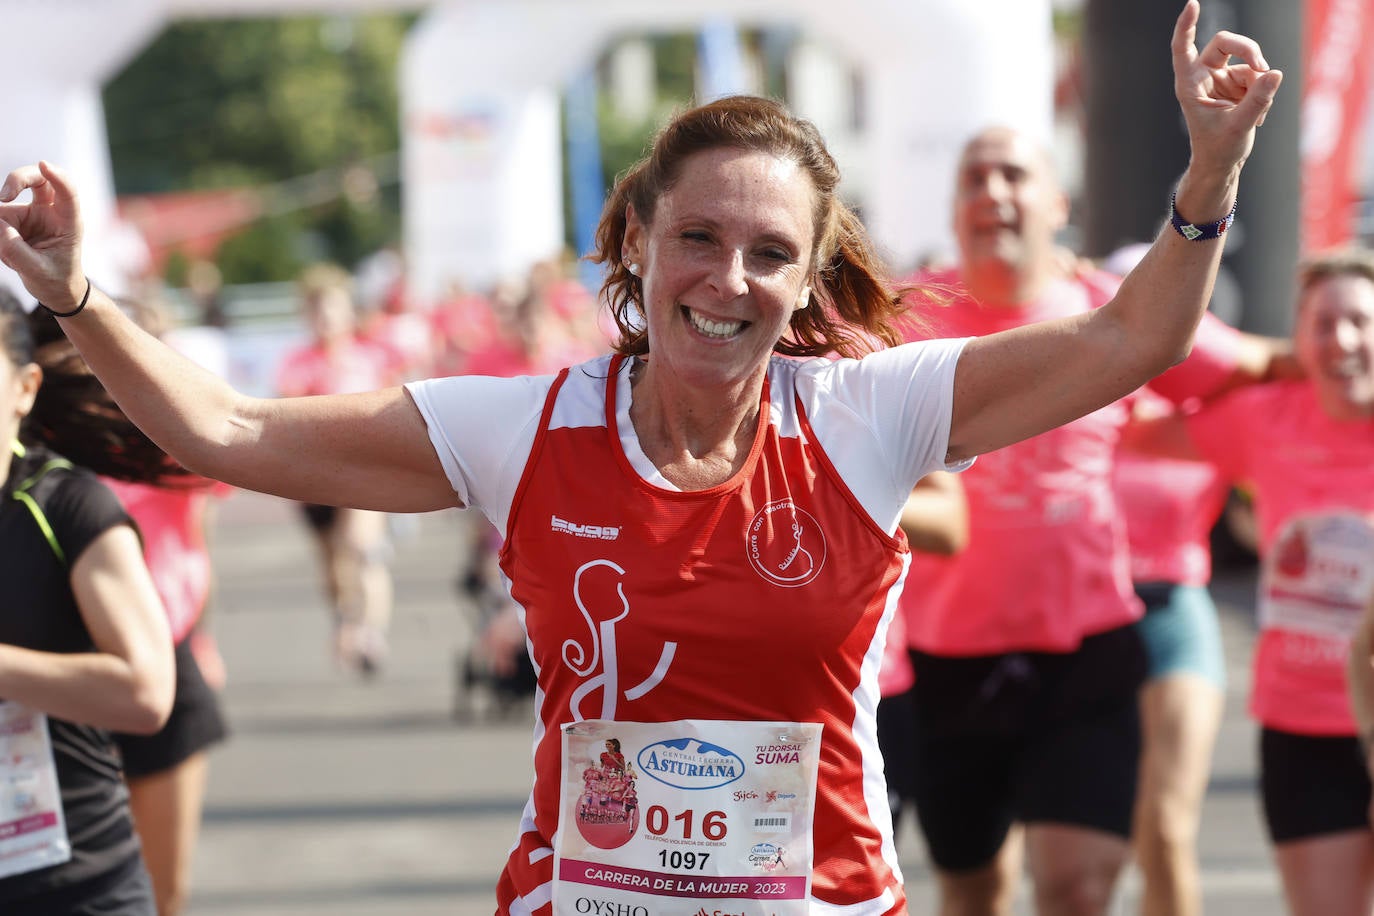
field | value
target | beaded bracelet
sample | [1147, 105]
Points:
[1206, 231]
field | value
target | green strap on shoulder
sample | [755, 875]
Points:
[22, 494]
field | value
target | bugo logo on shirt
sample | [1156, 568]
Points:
[785, 544]
[594, 532]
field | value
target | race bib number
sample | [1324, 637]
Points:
[715, 815]
[33, 832]
[1319, 575]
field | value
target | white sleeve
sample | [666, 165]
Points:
[884, 420]
[482, 429]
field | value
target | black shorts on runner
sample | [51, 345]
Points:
[1312, 785]
[1032, 737]
[897, 743]
[196, 722]
[123, 891]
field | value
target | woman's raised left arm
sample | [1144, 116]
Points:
[1018, 383]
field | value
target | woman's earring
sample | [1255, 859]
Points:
[803, 299]
[632, 267]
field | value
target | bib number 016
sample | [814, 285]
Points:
[658, 822]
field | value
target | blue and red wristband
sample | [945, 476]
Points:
[1205, 232]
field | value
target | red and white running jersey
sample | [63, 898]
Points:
[758, 599]
[765, 598]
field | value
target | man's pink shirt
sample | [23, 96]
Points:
[1047, 563]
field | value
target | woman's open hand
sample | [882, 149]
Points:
[41, 239]
[1222, 101]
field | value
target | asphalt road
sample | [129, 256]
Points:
[345, 797]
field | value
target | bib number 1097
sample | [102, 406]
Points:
[684, 860]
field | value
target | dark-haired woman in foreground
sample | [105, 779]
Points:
[84, 647]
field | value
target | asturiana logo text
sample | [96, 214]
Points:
[689, 763]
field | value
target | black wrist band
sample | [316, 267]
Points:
[74, 311]
[1196, 233]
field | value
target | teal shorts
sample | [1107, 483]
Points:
[1181, 632]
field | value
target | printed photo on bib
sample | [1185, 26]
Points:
[653, 815]
[1319, 574]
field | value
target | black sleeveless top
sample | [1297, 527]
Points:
[39, 612]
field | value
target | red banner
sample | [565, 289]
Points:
[1338, 46]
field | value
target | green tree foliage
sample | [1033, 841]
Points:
[263, 103]
[273, 250]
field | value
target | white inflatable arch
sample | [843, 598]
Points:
[480, 85]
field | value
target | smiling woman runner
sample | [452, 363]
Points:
[165, 772]
[723, 577]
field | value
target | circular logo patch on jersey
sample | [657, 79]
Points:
[785, 544]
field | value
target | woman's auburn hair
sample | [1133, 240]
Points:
[854, 309]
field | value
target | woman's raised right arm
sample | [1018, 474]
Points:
[368, 450]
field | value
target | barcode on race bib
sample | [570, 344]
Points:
[776, 823]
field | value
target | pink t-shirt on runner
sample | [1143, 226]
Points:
[1210, 365]
[171, 522]
[896, 674]
[1312, 477]
[357, 366]
[503, 357]
[1047, 562]
[461, 324]
[1170, 506]
[407, 338]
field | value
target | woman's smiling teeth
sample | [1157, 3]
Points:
[720, 330]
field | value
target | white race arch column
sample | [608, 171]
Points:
[481, 150]
[60, 52]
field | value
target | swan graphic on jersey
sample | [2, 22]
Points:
[599, 662]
